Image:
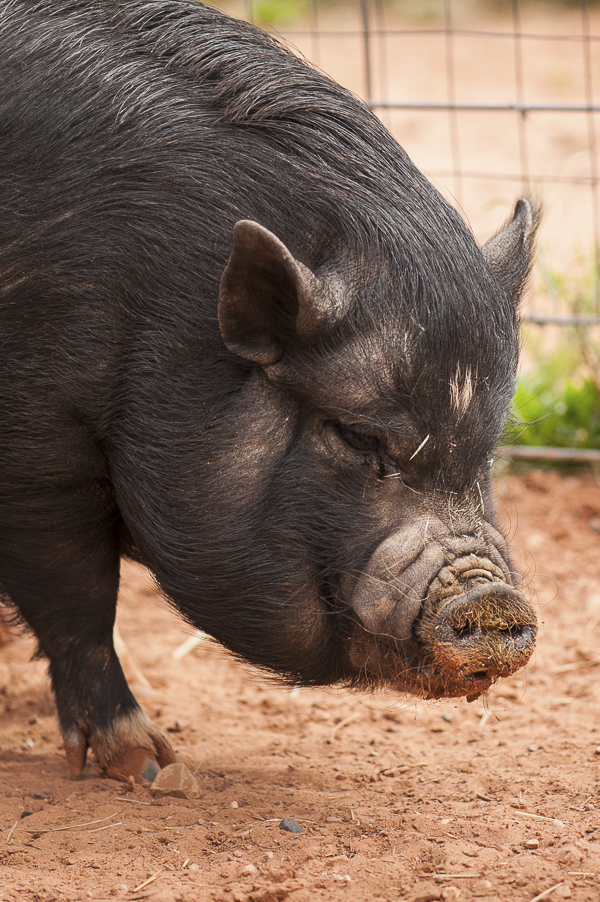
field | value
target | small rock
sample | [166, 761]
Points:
[597, 750]
[179, 726]
[234, 805]
[450, 893]
[532, 843]
[290, 825]
[238, 853]
[42, 793]
[533, 748]
[334, 820]
[249, 870]
[26, 814]
[28, 744]
[175, 780]
[563, 891]
[194, 867]
[447, 717]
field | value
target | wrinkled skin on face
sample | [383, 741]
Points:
[415, 588]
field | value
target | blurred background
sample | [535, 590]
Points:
[491, 99]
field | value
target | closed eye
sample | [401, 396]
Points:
[357, 439]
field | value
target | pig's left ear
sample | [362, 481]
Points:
[268, 299]
[509, 254]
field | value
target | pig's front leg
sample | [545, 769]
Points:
[59, 563]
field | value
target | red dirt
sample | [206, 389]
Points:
[399, 796]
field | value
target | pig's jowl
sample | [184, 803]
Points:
[245, 342]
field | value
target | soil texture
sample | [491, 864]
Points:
[397, 799]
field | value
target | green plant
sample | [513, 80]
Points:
[279, 11]
[557, 404]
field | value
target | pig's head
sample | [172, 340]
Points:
[382, 385]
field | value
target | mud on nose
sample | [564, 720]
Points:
[476, 638]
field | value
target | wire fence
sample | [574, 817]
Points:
[491, 101]
[490, 104]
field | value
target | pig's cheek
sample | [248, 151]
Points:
[265, 422]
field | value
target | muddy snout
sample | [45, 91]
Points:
[475, 629]
[444, 609]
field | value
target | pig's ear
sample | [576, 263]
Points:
[509, 254]
[268, 298]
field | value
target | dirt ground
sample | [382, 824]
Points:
[397, 799]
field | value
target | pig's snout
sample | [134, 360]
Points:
[445, 612]
[475, 638]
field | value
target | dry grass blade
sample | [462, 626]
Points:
[540, 817]
[577, 665]
[11, 831]
[546, 892]
[402, 768]
[147, 882]
[188, 645]
[71, 826]
[125, 799]
[342, 724]
[106, 827]
[469, 876]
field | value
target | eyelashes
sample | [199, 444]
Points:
[364, 443]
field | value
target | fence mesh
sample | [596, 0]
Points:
[490, 100]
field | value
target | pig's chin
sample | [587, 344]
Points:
[401, 667]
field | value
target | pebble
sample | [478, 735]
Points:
[290, 825]
[179, 726]
[249, 870]
[234, 805]
[175, 780]
[26, 814]
[43, 793]
[334, 820]
[450, 893]
[238, 853]
[532, 843]
[447, 717]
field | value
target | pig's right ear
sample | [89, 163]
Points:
[268, 298]
[509, 254]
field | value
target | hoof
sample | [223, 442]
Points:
[138, 763]
[132, 748]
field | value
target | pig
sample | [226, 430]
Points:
[246, 343]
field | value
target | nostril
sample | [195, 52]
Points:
[475, 629]
[467, 629]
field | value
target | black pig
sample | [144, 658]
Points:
[245, 342]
